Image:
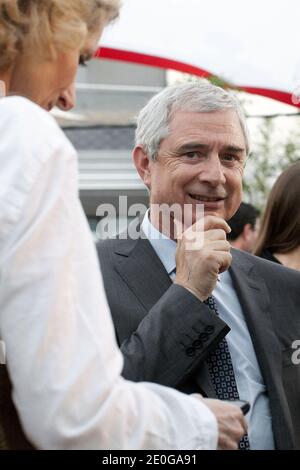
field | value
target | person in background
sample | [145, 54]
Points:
[279, 235]
[244, 227]
[63, 363]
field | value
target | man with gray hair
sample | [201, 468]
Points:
[189, 311]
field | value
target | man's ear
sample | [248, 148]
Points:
[247, 232]
[143, 165]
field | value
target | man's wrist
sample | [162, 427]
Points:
[195, 292]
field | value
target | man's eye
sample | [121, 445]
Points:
[232, 158]
[193, 155]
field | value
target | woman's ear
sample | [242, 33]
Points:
[143, 165]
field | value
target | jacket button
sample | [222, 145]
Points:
[190, 352]
[210, 329]
[203, 336]
[197, 344]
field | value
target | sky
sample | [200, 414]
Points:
[249, 43]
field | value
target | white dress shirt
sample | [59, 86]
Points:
[247, 372]
[62, 356]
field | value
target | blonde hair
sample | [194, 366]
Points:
[44, 26]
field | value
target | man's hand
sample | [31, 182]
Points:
[197, 269]
[232, 425]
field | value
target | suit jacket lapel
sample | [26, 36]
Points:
[142, 271]
[255, 301]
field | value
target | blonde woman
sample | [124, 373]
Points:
[63, 363]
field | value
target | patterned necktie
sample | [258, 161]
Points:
[222, 373]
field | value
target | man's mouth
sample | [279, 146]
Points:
[199, 197]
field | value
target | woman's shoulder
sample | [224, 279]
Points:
[17, 104]
[16, 110]
[29, 127]
[34, 153]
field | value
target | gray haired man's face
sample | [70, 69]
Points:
[200, 162]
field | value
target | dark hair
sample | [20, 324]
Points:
[280, 227]
[246, 214]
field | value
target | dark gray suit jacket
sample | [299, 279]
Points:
[165, 333]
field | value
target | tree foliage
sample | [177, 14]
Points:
[270, 156]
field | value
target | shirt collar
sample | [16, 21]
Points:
[164, 247]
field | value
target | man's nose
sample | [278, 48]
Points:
[67, 99]
[212, 171]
